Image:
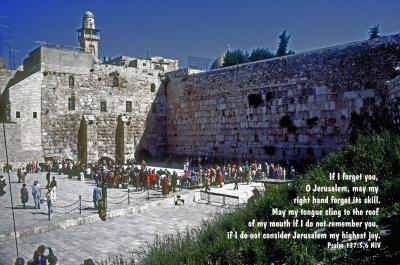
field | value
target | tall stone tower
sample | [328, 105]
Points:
[88, 35]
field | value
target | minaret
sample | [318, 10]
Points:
[88, 35]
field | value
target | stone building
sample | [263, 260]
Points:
[66, 103]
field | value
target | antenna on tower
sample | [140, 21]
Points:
[14, 66]
[10, 53]
[3, 27]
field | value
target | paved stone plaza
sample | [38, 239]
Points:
[68, 192]
[130, 231]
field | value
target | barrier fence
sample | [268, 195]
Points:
[84, 204]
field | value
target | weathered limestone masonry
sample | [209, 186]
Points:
[60, 126]
[293, 107]
[23, 133]
[64, 105]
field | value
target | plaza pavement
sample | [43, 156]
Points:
[131, 231]
[68, 192]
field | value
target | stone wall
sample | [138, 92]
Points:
[293, 107]
[56, 59]
[25, 112]
[13, 138]
[5, 77]
[61, 126]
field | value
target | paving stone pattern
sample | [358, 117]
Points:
[119, 235]
[113, 237]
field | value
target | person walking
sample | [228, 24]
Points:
[24, 195]
[36, 194]
[97, 195]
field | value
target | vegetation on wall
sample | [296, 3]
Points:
[283, 45]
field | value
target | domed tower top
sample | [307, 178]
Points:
[88, 35]
[88, 20]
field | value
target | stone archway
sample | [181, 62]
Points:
[143, 154]
[106, 159]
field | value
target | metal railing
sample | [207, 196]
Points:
[224, 199]
[88, 204]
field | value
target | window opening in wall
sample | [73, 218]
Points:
[71, 81]
[103, 106]
[152, 87]
[115, 81]
[255, 100]
[128, 106]
[17, 114]
[35, 115]
[71, 103]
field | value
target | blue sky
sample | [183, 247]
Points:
[177, 29]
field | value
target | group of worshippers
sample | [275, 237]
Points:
[213, 174]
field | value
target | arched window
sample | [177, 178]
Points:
[115, 81]
[71, 81]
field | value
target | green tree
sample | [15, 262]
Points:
[374, 32]
[235, 57]
[283, 45]
[260, 54]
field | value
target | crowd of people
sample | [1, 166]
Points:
[196, 173]
[106, 174]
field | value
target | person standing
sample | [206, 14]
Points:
[19, 175]
[36, 194]
[23, 174]
[48, 178]
[97, 194]
[164, 186]
[50, 199]
[207, 181]
[174, 181]
[24, 195]
[53, 182]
